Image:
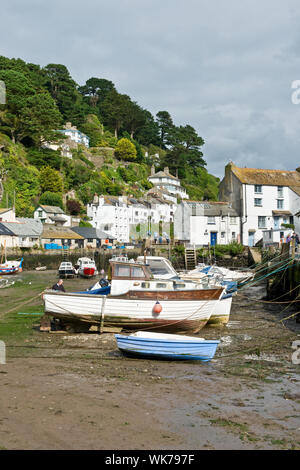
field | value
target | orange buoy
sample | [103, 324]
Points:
[157, 308]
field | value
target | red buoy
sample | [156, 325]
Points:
[157, 308]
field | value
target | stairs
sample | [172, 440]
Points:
[190, 256]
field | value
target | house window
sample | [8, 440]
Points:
[105, 227]
[258, 188]
[90, 240]
[233, 235]
[258, 202]
[222, 234]
[280, 191]
[211, 220]
[193, 209]
[261, 221]
[279, 203]
[233, 220]
[40, 213]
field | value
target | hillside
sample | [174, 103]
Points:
[125, 141]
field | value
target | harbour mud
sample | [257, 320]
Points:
[62, 390]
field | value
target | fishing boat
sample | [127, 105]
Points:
[9, 267]
[202, 271]
[167, 346]
[161, 267]
[86, 267]
[136, 301]
[66, 269]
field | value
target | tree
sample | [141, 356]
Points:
[73, 206]
[63, 90]
[93, 128]
[40, 157]
[51, 199]
[125, 150]
[184, 151]
[149, 132]
[135, 118]
[27, 113]
[40, 118]
[50, 180]
[95, 90]
[114, 110]
[165, 124]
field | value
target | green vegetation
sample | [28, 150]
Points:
[125, 140]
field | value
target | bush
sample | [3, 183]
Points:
[73, 206]
[51, 199]
[125, 150]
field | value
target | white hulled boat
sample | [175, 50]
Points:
[137, 301]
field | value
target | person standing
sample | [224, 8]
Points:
[59, 286]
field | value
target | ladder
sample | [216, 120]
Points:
[190, 258]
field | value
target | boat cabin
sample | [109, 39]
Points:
[133, 276]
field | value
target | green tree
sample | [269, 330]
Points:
[63, 90]
[114, 110]
[95, 90]
[166, 125]
[50, 180]
[93, 128]
[125, 150]
[49, 198]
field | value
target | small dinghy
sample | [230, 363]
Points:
[167, 346]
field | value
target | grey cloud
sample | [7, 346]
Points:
[225, 67]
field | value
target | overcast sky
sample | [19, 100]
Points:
[225, 67]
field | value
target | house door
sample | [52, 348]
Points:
[251, 238]
[213, 238]
[276, 222]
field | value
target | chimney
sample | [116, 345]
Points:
[166, 170]
[176, 172]
[152, 170]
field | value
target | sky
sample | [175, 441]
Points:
[226, 67]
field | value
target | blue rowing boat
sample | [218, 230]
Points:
[167, 346]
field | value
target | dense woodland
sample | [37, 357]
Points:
[125, 140]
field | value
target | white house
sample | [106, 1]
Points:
[206, 222]
[75, 135]
[264, 199]
[54, 215]
[169, 183]
[7, 215]
[24, 232]
[127, 218]
[110, 214]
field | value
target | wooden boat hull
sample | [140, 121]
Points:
[132, 313]
[167, 347]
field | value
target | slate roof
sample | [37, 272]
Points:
[52, 209]
[86, 232]
[268, 177]
[25, 227]
[212, 208]
[5, 231]
[91, 232]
